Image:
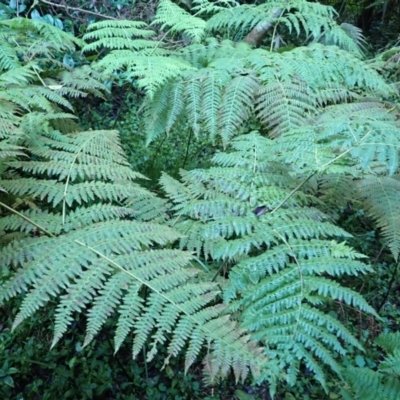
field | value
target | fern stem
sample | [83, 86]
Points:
[37, 74]
[301, 282]
[274, 32]
[26, 219]
[314, 173]
[293, 192]
[156, 152]
[392, 280]
[217, 273]
[187, 148]
[69, 177]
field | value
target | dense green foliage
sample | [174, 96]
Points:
[251, 260]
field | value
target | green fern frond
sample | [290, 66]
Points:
[79, 218]
[236, 104]
[280, 256]
[117, 35]
[8, 57]
[341, 140]
[156, 113]
[313, 20]
[368, 385]
[389, 341]
[43, 31]
[97, 257]
[19, 76]
[212, 96]
[381, 198]
[208, 8]
[243, 17]
[177, 20]
[152, 72]
[284, 106]
[283, 91]
[193, 102]
[346, 36]
[79, 82]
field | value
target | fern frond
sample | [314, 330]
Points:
[117, 35]
[280, 259]
[193, 102]
[152, 72]
[79, 218]
[177, 20]
[156, 113]
[212, 95]
[79, 82]
[383, 383]
[389, 341]
[346, 36]
[20, 76]
[43, 31]
[176, 102]
[243, 17]
[97, 257]
[369, 385]
[236, 104]
[381, 198]
[8, 57]
[284, 106]
[313, 20]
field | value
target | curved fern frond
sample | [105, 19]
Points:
[170, 15]
[282, 253]
[193, 102]
[8, 57]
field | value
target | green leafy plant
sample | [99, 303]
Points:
[280, 251]
[241, 261]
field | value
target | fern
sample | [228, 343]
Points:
[282, 262]
[235, 83]
[27, 47]
[284, 91]
[79, 230]
[382, 384]
[118, 35]
[171, 16]
[380, 196]
[36, 31]
[313, 20]
[100, 251]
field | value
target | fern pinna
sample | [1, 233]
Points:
[282, 253]
[89, 245]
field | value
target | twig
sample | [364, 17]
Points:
[77, 9]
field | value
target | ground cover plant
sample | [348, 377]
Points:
[267, 263]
